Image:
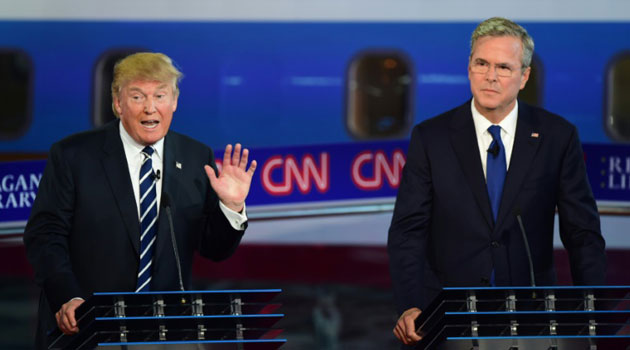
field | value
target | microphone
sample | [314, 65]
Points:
[517, 212]
[156, 176]
[167, 207]
[494, 149]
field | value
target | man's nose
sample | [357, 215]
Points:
[149, 106]
[491, 74]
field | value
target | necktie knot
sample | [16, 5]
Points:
[495, 146]
[495, 131]
[148, 151]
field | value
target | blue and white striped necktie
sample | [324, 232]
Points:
[148, 218]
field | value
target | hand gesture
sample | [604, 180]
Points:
[232, 184]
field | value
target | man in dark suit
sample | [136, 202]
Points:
[473, 172]
[100, 220]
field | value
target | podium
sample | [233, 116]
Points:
[527, 318]
[216, 320]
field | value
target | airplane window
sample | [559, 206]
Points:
[617, 103]
[103, 76]
[532, 93]
[379, 92]
[16, 80]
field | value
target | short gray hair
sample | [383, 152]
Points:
[498, 26]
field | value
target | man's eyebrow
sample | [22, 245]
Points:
[133, 88]
[506, 64]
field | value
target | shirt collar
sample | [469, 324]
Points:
[132, 147]
[508, 124]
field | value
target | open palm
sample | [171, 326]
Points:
[232, 184]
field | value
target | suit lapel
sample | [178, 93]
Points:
[116, 169]
[464, 141]
[523, 152]
[171, 178]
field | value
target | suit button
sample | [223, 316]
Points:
[495, 244]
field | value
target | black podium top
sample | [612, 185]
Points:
[516, 314]
[218, 319]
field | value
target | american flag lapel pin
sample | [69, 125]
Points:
[178, 165]
[535, 135]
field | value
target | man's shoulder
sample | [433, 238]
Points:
[186, 148]
[87, 140]
[537, 115]
[186, 142]
[443, 120]
[547, 120]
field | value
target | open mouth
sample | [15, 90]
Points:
[150, 124]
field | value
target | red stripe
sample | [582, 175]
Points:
[302, 264]
[350, 264]
[312, 264]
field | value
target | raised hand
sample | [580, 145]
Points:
[232, 184]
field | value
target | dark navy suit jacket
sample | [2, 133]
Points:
[442, 232]
[83, 235]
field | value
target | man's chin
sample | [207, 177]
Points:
[486, 105]
[148, 139]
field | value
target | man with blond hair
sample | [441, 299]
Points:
[474, 172]
[100, 220]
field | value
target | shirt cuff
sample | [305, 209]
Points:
[237, 220]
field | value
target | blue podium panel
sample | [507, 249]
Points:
[224, 319]
[574, 318]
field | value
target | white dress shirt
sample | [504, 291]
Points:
[484, 138]
[133, 153]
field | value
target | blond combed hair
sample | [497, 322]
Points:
[498, 26]
[148, 66]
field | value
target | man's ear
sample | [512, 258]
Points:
[525, 77]
[117, 107]
[175, 99]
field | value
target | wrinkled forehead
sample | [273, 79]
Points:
[498, 46]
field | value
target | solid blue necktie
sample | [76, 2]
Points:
[495, 169]
[495, 175]
[148, 218]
